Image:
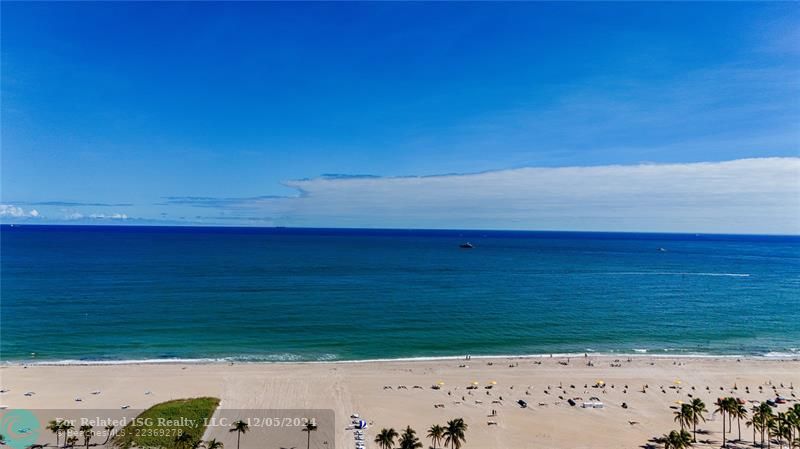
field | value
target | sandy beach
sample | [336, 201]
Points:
[398, 393]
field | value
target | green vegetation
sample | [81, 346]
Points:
[409, 440]
[385, 439]
[172, 424]
[782, 428]
[454, 433]
[453, 436]
[239, 427]
[308, 428]
[436, 434]
[677, 440]
[698, 414]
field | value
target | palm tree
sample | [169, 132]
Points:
[108, 429]
[698, 409]
[409, 440]
[66, 427]
[678, 440]
[684, 415]
[732, 405]
[184, 440]
[214, 444]
[385, 439]
[765, 420]
[239, 427]
[454, 433]
[756, 422]
[55, 427]
[308, 428]
[436, 433]
[739, 411]
[86, 431]
[782, 428]
[772, 430]
[793, 416]
[722, 407]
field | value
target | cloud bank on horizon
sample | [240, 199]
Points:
[496, 115]
[760, 196]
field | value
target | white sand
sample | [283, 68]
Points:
[359, 387]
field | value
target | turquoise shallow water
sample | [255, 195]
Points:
[139, 293]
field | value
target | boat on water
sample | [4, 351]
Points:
[466, 245]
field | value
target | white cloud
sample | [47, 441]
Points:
[117, 216]
[74, 216]
[15, 212]
[740, 196]
[9, 210]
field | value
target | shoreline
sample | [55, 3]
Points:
[254, 361]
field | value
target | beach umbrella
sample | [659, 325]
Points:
[362, 424]
[494, 382]
[440, 383]
[677, 382]
[475, 382]
[679, 402]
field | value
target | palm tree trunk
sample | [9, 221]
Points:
[723, 430]
[739, 424]
[308, 443]
[694, 430]
[238, 436]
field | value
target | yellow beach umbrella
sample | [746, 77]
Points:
[475, 382]
[494, 382]
[440, 383]
[679, 402]
[677, 382]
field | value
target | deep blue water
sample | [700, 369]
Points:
[123, 293]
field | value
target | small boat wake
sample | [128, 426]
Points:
[678, 273]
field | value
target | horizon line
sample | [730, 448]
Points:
[336, 228]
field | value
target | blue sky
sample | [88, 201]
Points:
[239, 113]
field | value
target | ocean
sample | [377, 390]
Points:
[110, 294]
